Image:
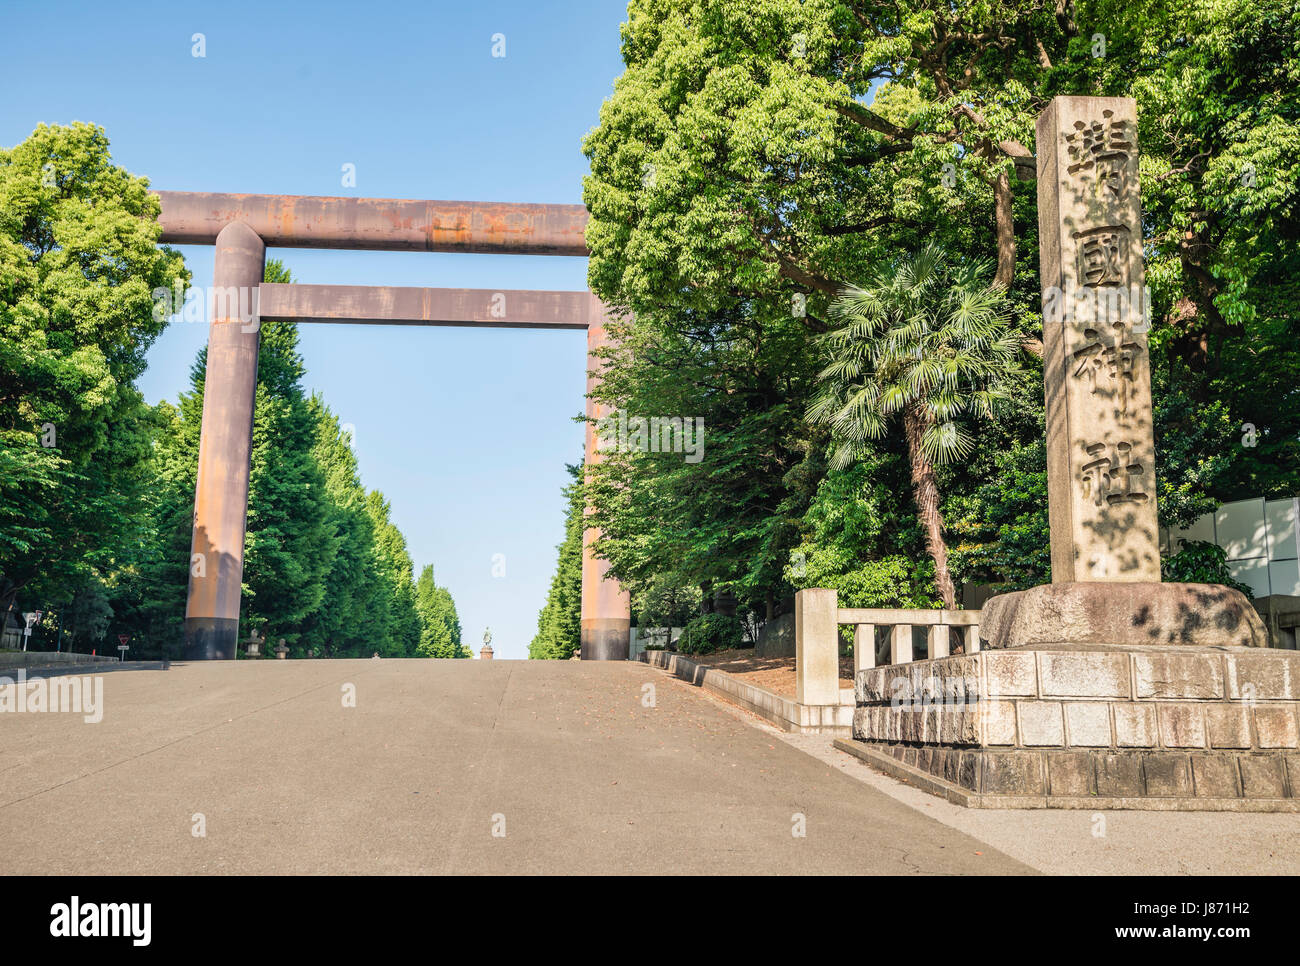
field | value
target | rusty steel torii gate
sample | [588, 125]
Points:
[241, 227]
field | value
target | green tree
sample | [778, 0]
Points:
[1199, 562]
[861, 541]
[763, 155]
[88, 616]
[666, 602]
[559, 625]
[290, 545]
[750, 162]
[781, 147]
[440, 630]
[1001, 529]
[929, 341]
[79, 262]
[399, 633]
[721, 517]
[351, 613]
[148, 591]
[1219, 128]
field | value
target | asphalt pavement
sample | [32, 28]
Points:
[382, 766]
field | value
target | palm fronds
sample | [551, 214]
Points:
[925, 332]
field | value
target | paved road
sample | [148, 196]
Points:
[434, 757]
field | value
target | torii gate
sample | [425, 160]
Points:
[241, 227]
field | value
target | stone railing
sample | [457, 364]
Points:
[818, 618]
[902, 624]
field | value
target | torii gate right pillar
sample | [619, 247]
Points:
[606, 607]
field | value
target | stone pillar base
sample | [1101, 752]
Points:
[606, 639]
[210, 639]
[1161, 727]
[1122, 615]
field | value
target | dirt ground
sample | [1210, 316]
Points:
[776, 674]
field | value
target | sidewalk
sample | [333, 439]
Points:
[1069, 842]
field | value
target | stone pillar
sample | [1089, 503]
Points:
[900, 644]
[1101, 492]
[1115, 690]
[816, 647]
[225, 448]
[864, 647]
[485, 652]
[1097, 373]
[937, 642]
[606, 608]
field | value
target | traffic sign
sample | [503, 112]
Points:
[32, 618]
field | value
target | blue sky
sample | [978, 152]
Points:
[465, 431]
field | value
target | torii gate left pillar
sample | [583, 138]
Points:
[225, 450]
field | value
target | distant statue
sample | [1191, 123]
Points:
[487, 636]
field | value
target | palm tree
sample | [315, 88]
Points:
[929, 339]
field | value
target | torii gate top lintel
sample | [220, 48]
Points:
[391, 224]
[382, 224]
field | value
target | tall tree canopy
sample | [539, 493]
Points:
[559, 625]
[290, 545]
[440, 630]
[79, 260]
[925, 340]
[755, 159]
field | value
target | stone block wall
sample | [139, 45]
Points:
[1170, 723]
[776, 637]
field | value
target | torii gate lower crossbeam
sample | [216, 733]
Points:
[230, 222]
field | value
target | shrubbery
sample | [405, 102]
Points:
[1200, 562]
[711, 632]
